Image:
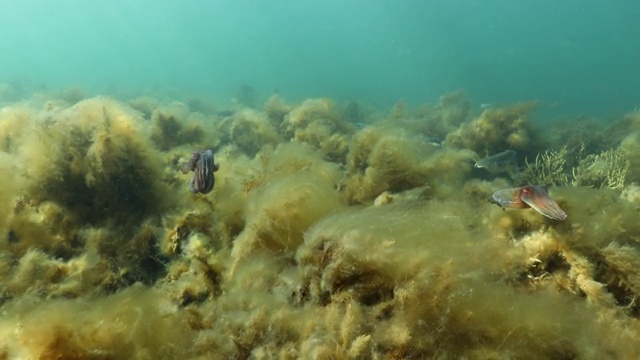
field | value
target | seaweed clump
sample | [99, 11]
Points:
[618, 267]
[106, 169]
[174, 126]
[581, 132]
[119, 328]
[276, 109]
[388, 158]
[596, 257]
[548, 169]
[357, 272]
[353, 112]
[497, 129]
[399, 110]
[250, 131]
[607, 169]
[293, 190]
[319, 123]
[275, 264]
[451, 111]
[630, 144]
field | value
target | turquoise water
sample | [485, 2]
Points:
[577, 57]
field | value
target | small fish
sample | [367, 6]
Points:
[485, 106]
[530, 196]
[504, 162]
[432, 140]
[201, 163]
[225, 113]
[360, 125]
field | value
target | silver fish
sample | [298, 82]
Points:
[225, 113]
[203, 166]
[432, 140]
[504, 162]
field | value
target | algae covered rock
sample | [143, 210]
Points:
[384, 158]
[318, 123]
[497, 129]
[95, 158]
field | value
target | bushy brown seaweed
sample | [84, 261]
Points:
[318, 122]
[497, 129]
[318, 241]
[385, 157]
[607, 169]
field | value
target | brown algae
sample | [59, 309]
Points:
[321, 239]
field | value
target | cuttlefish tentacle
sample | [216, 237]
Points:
[533, 196]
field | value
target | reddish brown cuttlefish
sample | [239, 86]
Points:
[530, 196]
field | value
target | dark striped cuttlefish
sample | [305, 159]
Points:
[203, 167]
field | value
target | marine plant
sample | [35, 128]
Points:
[95, 158]
[276, 109]
[353, 112]
[579, 132]
[383, 158]
[548, 169]
[173, 126]
[250, 131]
[318, 122]
[607, 169]
[274, 264]
[399, 110]
[630, 145]
[497, 129]
[446, 116]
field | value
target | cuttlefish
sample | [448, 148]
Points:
[203, 167]
[530, 196]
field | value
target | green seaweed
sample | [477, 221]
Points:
[607, 169]
[548, 169]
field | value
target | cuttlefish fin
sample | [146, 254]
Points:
[537, 197]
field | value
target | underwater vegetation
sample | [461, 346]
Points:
[329, 231]
[498, 129]
[608, 168]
